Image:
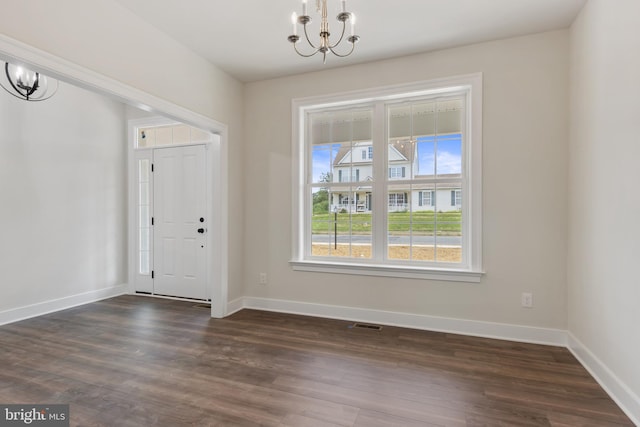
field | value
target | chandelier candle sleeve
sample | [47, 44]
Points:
[294, 21]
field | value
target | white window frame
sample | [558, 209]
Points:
[470, 269]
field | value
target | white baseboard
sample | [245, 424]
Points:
[46, 307]
[502, 331]
[234, 306]
[626, 399]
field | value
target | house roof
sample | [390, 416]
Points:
[403, 147]
[446, 181]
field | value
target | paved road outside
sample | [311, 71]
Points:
[393, 240]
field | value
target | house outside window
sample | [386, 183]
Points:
[397, 201]
[397, 172]
[456, 198]
[416, 205]
[343, 175]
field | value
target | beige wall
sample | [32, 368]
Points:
[63, 197]
[604, 236]
[105, 37]
[525, 208]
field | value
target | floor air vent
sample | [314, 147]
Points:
[366, 326]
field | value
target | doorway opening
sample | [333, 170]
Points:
[171, 212]
[217, 151]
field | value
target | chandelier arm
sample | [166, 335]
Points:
[353, 46]
[45, 93]
[36, 85]
[344, 26]
[12, 93]
[24, 98]
[304, 54]
[306, 35]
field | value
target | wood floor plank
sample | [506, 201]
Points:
[567, 420]
[371, 400]
[138, 361]
[296, 420]
[368, 418]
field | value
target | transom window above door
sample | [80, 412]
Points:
[174, 134]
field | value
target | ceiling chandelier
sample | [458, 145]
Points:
[26, 84]
[325, 45]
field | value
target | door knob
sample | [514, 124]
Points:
[201, 230]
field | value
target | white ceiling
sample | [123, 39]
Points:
[248, 38]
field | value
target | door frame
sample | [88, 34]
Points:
[215, 237]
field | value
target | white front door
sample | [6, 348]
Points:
[180, 224]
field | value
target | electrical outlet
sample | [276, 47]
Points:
[263, 278]
[527, 300]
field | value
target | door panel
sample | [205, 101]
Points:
[179, 203]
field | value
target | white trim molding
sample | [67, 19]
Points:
[405, 271]
[235, 306]
[38, 60]
[626, 399]
[46, 307]
[502, 331]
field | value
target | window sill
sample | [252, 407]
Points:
[399, 271]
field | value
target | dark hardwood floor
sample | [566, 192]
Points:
[138, 361]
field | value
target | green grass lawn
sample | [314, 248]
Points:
[399, 222]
